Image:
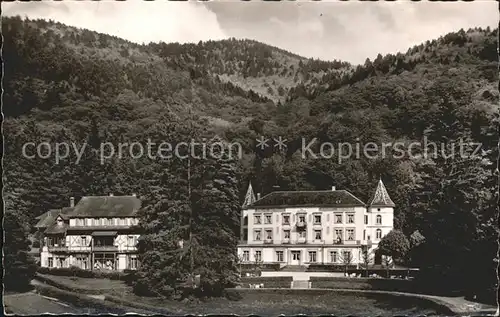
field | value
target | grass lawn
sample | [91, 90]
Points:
[268, 302]
[275, 302]
[87, 283]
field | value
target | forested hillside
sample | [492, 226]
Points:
[64, 84]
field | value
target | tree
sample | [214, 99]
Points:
[367, 259]
[395, 245]
[195, 201]
[388, 263]
[346, 259]
[19, 266]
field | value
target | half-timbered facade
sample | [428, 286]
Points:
[98, 233]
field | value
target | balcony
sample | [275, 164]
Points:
[268, 241]
[301, 225]
[57, 248]
[352, 242]
[79, 249]
[105, 248]
[301, 240]
[286, 224]
[285, 241]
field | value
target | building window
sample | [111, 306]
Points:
[350, 234]
[378, 209]
[317, 219]
[286, 219]
[379, 234]
[338, 235]
[268, 219]
[131, 241]
[84, 242]
[245, 221]
[350, 218]
[312, 256]
[256, 235]
[334, 256]
[302, 218]
[286, 234]
[258, 256]
[279, 256]
[338, 218]
[366, 219]
[82, 262]
[257, 220]
[317, 234]
[302, 234]
[364, 234]
[51, 262]
[379, 219]
[347, 257]
[269, 234]
[246, 256]
[132, 262]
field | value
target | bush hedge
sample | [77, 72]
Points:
[330, 268]
[268, 281]
[126, 275]
[382, 284]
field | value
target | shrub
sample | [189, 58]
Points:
[76, 271]
[269, 282]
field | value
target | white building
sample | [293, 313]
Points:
[313, 227]
[98, 233]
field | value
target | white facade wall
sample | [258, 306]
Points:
[80, 245]
[365, 228]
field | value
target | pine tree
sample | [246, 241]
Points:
[19, 266]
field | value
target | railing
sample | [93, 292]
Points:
[79, 248]
[301, 240]
[351, 242]
[285, 241]
[268, 241]
[301, 224]
[105, 248]
[57, 248]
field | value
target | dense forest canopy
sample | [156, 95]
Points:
[64, 84]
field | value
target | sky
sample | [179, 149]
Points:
[347, 31]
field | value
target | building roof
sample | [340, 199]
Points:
[381, 197]
[47, 218]
[322, 198]
[249, 196]
[56, 228]
[106, 206]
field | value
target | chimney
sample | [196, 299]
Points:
[111, 194]
[333, 188]
[258, 196]
[72, 201]
[134, 195]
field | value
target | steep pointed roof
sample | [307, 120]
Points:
[381, 197]
[249, 196]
